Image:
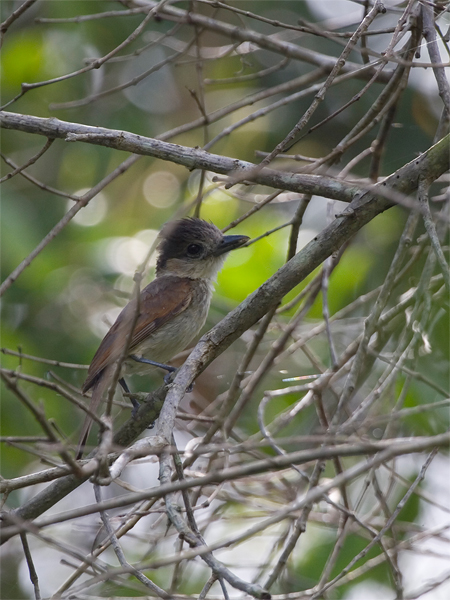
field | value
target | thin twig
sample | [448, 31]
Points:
[31, 161]
[120, 554]
[13, 17]
[31, 568]
[82, 202]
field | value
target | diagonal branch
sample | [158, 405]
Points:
[361, 211]
[429, 166]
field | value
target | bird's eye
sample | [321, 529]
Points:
[194, 250]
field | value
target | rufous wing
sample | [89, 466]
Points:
[160, 301]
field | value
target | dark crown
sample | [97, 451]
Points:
[177, 236]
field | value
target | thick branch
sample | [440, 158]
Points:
[429, 166]
[361, 211]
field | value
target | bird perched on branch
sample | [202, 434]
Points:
[170, 312]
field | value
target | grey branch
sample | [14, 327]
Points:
[192, 158]
[383, 451]
[364, 207]
[361, 211]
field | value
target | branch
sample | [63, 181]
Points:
[429, 33]
[383, 451]
[268, 42]
[192, 158]
[430, 165]
[190, 533]
[13, 17]
[81, 203]
[361, 211]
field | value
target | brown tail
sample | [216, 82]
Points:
[98, 389]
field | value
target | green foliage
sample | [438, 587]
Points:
[59, 306]
[23, 60]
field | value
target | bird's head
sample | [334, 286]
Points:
[194, 248]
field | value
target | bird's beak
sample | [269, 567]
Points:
[230, 242]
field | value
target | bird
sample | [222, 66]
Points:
[172, 309]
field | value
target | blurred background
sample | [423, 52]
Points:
[160, 85]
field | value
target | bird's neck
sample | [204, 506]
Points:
[206, 269]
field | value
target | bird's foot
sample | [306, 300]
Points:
[168, 377]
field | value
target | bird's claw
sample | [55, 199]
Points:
[168, 377]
